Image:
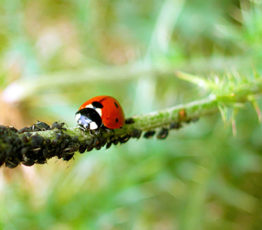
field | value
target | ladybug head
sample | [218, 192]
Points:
[88, 119]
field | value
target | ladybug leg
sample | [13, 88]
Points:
[93, 132]
[81, 128]
[103, 128]
[111, 138]
[106, 130]
[97, 132]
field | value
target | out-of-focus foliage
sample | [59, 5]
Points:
[201, 177]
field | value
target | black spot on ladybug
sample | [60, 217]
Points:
[116, 104]
[97, 104]
[117, 120]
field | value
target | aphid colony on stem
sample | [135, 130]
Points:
[100, 116]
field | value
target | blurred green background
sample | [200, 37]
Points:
[56, 54]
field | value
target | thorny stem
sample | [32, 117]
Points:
[40, 142]
[25, 89]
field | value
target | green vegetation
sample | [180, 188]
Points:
[150, 55]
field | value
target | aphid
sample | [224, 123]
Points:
[37, 140]
[130, 121]
[28, 162]
[149, 134]
[124, 139]
[67, 157]
[40, 126]
[108, 145]
[175, 125]
[82, 148]
[163, 133]
[25, 129]
[136, 133]
[58, 125]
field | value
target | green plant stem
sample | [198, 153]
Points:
[154, 120]
[30, 146]
[22, 89]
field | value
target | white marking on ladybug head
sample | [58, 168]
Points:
[77, 117]
[99, 111]
[93, 125]
[89, 106]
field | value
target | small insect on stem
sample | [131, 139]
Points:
[130, 121]
[149, 134]
[162, 134]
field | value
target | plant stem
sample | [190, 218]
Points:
[23, 89]
[40, 142]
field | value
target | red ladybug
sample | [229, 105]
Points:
[100, 111]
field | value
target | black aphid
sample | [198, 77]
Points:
[149, 134]
[162, 134]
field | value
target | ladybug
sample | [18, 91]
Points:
[100, 111]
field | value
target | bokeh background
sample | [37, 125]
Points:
[56, 54]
